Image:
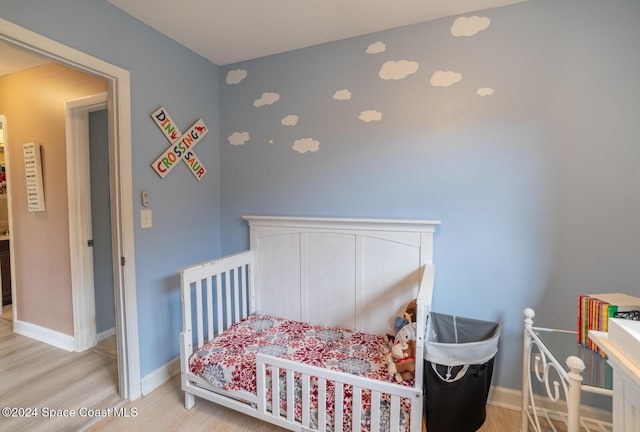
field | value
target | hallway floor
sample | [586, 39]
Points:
[35, 375]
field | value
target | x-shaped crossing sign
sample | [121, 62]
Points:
[181, 147]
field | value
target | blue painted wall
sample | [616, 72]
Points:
[536, 185]
[186, 213]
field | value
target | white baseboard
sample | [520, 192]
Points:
[48, 336]
[512, 399]
[159, 376]
[504, 397]
[105, 334]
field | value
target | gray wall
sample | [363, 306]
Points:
[536, 185]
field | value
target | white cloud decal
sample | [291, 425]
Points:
[464, 26]
[235, 76]
[485, 91]
[376, 48]
[267, 98]
[305, 145]
[343, 94]
[370, 115]
[238, 138]
[397, 70]
[445, 79]
[290, 120]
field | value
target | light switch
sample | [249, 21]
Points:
[145, 219]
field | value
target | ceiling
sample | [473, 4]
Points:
[229, 31]
[14, 59]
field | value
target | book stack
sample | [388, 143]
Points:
[594, 311]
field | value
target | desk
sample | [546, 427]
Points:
[554, 361]
[626, 385]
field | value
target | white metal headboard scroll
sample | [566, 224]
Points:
[342, 272]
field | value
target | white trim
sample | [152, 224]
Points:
[43, 334]
[512, 399]
[121, 176]
[79, 204]
[105, 334]
[408, 225]
[160, 376]
[505, 398]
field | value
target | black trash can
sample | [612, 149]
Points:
[458, 366]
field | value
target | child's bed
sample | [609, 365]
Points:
[309, 303]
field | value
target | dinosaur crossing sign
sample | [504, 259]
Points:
[181, 147]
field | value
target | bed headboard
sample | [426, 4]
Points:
[352, 273]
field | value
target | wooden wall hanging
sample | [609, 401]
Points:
[33, 176]
[181, 147]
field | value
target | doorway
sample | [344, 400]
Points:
[104, 298]
[90, 233]
[5, 252]
[120, 175]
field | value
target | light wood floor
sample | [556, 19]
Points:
[36, 375]
[7, 312]
[163, 410]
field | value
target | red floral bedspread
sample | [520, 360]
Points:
[229, 361]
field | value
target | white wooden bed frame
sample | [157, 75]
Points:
[353, 273]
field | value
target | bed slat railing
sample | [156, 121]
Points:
[310, 379]
[339, 407]
[223, 296]
[424, 308]
[356, 408]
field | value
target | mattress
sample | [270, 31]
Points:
[229, 360]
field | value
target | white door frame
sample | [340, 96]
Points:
[121, 184]
[80, 229]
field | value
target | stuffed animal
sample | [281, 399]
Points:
[409, 316]
[401, 359]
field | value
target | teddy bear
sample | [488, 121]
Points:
[404, 365]
[401, 360]
[409, 316]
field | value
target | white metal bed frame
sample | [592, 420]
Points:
[367, 269]
[539, 363]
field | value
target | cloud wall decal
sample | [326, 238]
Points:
[305, 145]
[290, 120]
[238, 138]
[376, 48]
[343, 94]
[397, 70]
[235, 76]
[445, 78]
[485, 91]
[267, 98]
[470, 26]
[370, 115]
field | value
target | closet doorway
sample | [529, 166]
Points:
[90, 238]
